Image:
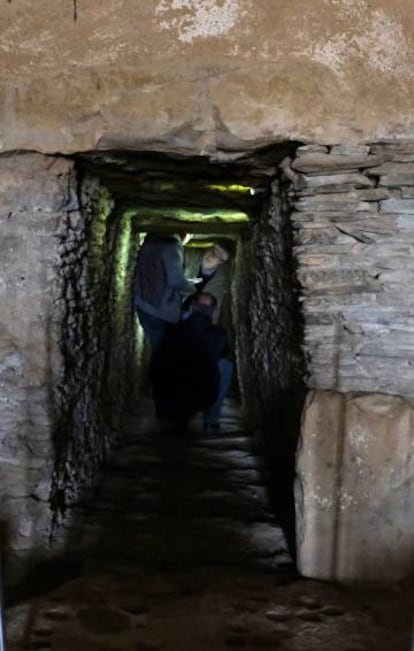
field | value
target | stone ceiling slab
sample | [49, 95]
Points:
[204, 75]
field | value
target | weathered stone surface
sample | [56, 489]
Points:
[57, 298]
[354, 343]
[31, 192]
[200, 77]
[408, 192]
[307, 149]
[391, 167]
[324, 204]
[401, 151]
[217, 609]
[397, 180]
[349, 150]
[268, 340]
[319, 162]
[355, 476]
[321, 182]
[351, 201]
[397, 206]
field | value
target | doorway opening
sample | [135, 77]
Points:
[125, 195]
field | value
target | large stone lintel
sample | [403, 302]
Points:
[354, 487]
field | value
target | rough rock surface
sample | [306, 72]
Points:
[175, 558]
[32, 191]
[58, 299]
[353, 222]
[204, 610]
[355, 512]
[205, 75]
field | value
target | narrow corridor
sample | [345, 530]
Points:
[172, 501]
[181, 552]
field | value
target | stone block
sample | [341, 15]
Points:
[392, 167]
[311, 149]
[319, 162]
[397, 180]
[328, 180]
[325, 203]
[203, 69]
[350, 150]
[397, 206]
[354, 487]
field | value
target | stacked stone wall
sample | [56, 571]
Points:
[81, 431]
[268, 327]
[97, 345]
[353, 219]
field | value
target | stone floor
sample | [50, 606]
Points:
[181, 552]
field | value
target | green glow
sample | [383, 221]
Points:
[199, 244]
[222, 215]
[241, 189]
[122, 259]
[102, 206]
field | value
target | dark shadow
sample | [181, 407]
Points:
[278, 443]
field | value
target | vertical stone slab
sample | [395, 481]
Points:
[355, 487]
[33, 189]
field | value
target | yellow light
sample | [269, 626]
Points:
[180, 214]
[241, 189]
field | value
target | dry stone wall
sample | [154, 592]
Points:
[353, 217]
[267, 321]
[97, 344]
[268, 333]
[81, 435]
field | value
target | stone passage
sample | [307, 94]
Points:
[321, 305]
[182, 500]
[180, 551]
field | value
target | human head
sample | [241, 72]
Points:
[203, 303]
[216, 254]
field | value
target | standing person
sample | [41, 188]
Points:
[160, 285]
[211, 267]
[191, 371]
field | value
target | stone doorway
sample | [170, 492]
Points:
[69, 349]
[245, 200]
[96, 250]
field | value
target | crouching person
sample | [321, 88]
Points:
[190, 369]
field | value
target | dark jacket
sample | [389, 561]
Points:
[186, 376]
[159, 284]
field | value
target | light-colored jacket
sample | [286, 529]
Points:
[218, 285]
[160, 284]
